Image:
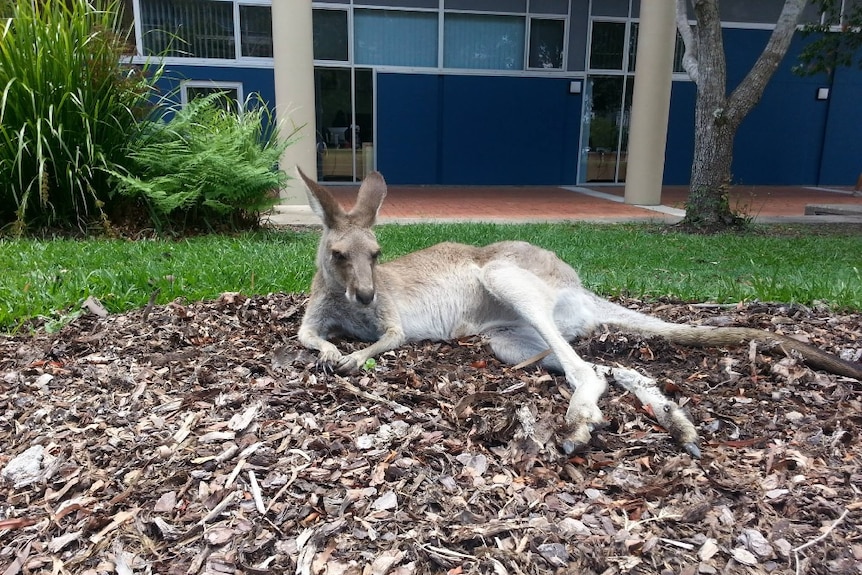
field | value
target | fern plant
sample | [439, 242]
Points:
[207, 165]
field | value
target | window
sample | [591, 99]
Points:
[231, 91]
[205, 29]
[189, 29]
[395, 38]
[330, 35]
[546, 43]
[678, 51]
[485, 42]
[607, 47]
[255, 31]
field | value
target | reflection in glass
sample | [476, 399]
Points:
[606, 48]
[255, 31]
[345, 143]
[546, 43]
[330, 34]
[395, 38]
[483, 42]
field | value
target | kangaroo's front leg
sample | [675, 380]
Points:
[534, 300]
[393, 337]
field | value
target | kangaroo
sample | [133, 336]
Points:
[523, 298]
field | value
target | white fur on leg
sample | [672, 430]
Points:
[668, 413]
[534, 300]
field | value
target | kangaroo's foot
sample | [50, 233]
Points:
[667, 412]
[581, 422]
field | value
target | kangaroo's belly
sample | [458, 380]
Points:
[450, 308]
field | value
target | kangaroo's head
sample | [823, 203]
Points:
[348, 251]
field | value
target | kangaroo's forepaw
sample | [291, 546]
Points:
[346, 366]
[328, 360]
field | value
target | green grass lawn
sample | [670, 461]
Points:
[44, 281]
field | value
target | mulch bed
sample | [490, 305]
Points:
[201, 438]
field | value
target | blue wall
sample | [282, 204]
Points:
[408, 139]
[454, 129]
[679, 150]
[497, 130]
[780, 142]
[260, 80]
[790, 137]
[842, 150]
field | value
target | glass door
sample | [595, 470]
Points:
[345, 123]
[606, 123]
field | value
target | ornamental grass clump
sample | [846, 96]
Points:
[208, 165]
[68, 104]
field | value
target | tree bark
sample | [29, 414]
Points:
[718, 116]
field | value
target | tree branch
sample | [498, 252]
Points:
[689, 59]
[750, 90]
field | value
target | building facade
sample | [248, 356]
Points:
[512, 92]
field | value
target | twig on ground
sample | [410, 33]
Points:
[150, 304]
[397, 407]
[531, 360]
[818, 539]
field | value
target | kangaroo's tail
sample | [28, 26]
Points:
[709, 336]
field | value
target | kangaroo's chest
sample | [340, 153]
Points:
[362, 323]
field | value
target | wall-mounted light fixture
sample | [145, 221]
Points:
[822, 93]
[575, 87]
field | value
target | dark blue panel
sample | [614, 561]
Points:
[780, 141]
[408, 131]
[679, 150]
[507, 130]
[842, 150]
[476, 130]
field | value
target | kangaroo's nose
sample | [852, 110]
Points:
[365, 297]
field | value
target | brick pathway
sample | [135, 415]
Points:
[548, 203]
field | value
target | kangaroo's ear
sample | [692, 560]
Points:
[321, 201]
[368, 201]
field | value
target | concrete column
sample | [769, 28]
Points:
[651, 102]
[294, 90]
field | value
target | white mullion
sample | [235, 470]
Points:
[441, 31]
[567, 26]
[138, 22]
[350, 37]
[237, 32]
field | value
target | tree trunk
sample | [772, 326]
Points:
[717, 115]
[708, 206]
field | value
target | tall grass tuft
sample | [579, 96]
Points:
[68, 105]
[208, 165]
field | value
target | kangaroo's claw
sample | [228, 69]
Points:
[576, 435]
[678, 425]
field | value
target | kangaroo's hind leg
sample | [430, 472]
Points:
[534, 301]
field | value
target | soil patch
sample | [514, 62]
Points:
[201, 438]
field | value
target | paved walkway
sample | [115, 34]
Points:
[406, 204]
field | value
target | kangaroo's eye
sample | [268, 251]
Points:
[338, 256]
[376, 255]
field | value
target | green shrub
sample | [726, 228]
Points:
[68, 105]
[207, 165]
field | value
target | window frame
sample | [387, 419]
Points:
[349, 12]
[212, 85]
[529, 35]
[238, 58]
[524, 48]
[351, 22]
